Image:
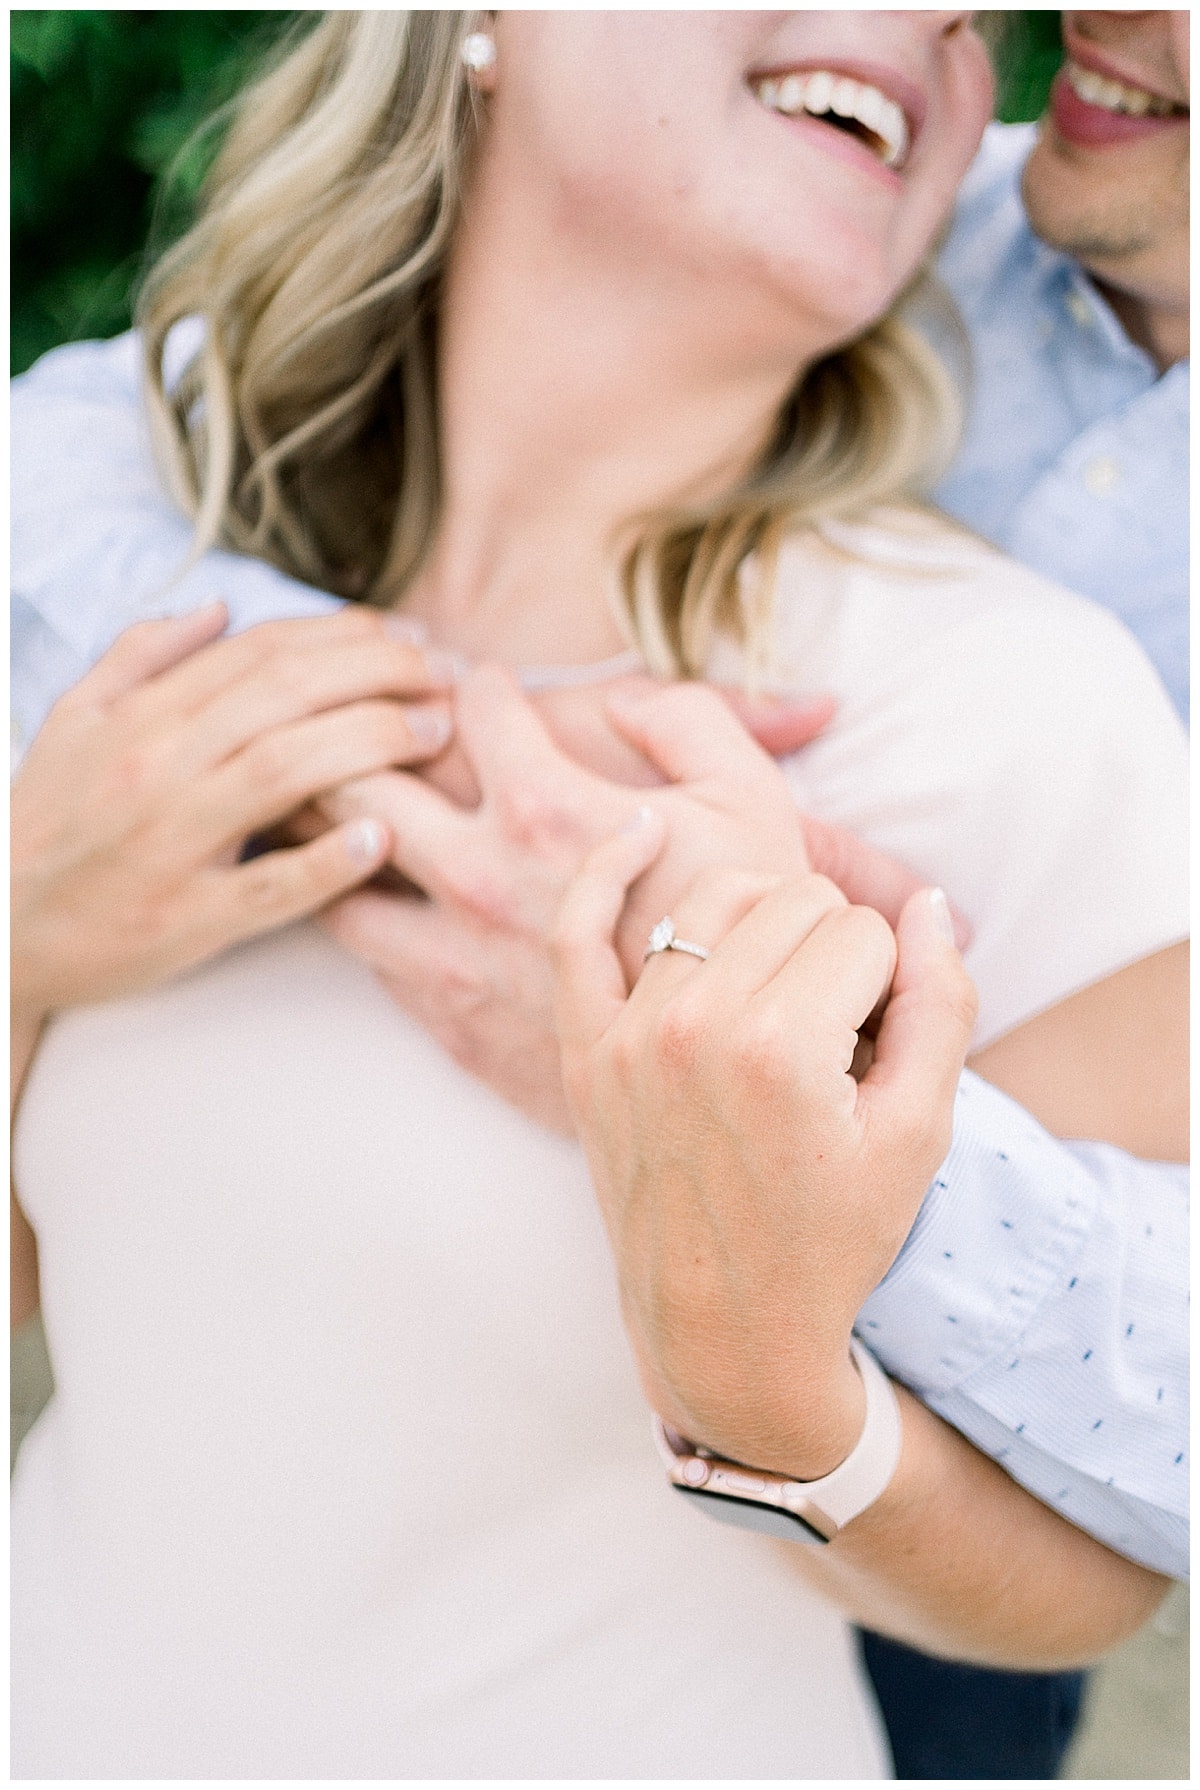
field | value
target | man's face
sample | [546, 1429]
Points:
[1108, 180]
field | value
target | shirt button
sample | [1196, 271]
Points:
[1079, 308]
[1101, 475]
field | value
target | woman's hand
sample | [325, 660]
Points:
[471, 965]
[753, 1190]
[580, 721]
[131, 807]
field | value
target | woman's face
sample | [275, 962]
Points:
[700, 142]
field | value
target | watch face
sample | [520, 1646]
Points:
[767, 1519]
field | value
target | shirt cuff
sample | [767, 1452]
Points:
[1002, 1224]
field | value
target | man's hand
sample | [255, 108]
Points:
[580, 721]
[132, 804]
[753, 1190]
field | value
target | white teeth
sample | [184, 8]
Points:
[1114, 96]
[871, 108]
[844, 98]
[820, 90]
[791, 94]
[824, 92]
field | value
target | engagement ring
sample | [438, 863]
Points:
[663, 939]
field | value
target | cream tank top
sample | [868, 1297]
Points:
[347, 1473]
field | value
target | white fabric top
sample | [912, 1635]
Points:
[347, 1473]
[1004, 738]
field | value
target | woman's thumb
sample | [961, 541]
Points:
[926, 1028]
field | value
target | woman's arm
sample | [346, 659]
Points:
[749, 1185]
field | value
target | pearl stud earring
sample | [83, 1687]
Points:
[478, 52]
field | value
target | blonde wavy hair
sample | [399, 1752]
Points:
[305, 428]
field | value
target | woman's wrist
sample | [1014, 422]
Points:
[807, 1431]
[829, 1428]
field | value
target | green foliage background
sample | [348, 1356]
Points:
[108, 153]
[104, 105]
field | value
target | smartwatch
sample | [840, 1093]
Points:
[810, 1511]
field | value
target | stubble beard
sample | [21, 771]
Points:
[1093, 232]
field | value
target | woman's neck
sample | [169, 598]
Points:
[577, 393]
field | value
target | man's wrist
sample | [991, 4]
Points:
[1003, 1221]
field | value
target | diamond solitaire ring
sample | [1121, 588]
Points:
[663, 939]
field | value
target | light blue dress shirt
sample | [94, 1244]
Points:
[993, 1258]
[1040, 1303]
[1075, 454]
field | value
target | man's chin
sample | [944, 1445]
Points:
[1078, 203]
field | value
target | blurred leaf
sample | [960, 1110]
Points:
[158, 136]
[43, 40]
[1027, 53]
[108, 112]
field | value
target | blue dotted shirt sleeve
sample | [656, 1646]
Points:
[1040, 1306]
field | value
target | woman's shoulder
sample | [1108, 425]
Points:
[906, 595]
[1003, 736]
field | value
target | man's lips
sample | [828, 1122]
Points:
[1095, 127]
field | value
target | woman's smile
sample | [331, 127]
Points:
[731, 148]
[865, 111]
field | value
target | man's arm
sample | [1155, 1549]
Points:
[83, 569]
[1040, 1305]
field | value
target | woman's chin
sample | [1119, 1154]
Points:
[839, 299]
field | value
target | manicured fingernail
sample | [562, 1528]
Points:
[406, 629]
[640, 819]
[939, 907]
[430, 728]
[366, 841]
